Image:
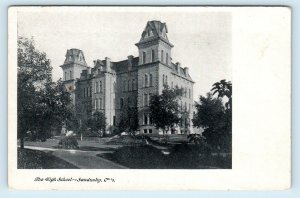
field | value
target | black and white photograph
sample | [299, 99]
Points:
[175, 94]
[124, 90]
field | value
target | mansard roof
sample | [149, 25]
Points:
[75, 55]
[157, 29]
[180, 72]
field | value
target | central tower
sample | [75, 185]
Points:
[154, 44]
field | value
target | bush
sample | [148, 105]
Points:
[68, 142]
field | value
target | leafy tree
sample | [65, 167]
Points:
[97, 123]
[223, 88]
[164, 108]
[42, 104]
[128, 119]
[214, 117]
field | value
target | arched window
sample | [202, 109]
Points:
[151, 80]
[146, 80]
[152, 55]
[162, 56]
[144, 57]
[167, 58]
[166, 80]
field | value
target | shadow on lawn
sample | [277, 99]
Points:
[91, 148]
[182, 156]
[33, 159]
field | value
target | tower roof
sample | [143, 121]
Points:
[155, 30]
[75, 56]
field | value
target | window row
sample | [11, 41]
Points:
[147, 119]
[146, 99]
[68, 75]
[186, 92]
[147, 130]
[99, 103]
[129, 85]
[98, 87]
[166, 60]
[185, 107]
[87, 92]
[148, 80]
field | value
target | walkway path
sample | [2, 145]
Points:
[81, 159]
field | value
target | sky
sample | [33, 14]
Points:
[201, 37]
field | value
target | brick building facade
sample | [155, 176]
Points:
[109, 86]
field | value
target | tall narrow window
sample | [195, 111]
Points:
[144, 57]
[101, 104]
[96, 89]
[114, 120]
[133, 84]
[96, 104]
[146, 80]
[189, 93]
[124, 85]
[100, 86]
[162, 56]
[145, 100]
[163, 79]
[151, 80]
[167, 58]
[90, 91]
[121, 103]
[145, 119]
[84, 92]
[152, 55]
[166, 80]
[65, 75]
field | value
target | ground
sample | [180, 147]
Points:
[121, 152]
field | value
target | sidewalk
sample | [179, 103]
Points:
[81, 159]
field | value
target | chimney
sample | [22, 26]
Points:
[88, 70]
[178, 65]
[186, 71]
[107, 64]
[130, 58]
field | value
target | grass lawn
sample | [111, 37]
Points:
[32, 159]
[180, 157]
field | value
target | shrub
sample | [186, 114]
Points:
[68, 142]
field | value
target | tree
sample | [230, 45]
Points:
[223, 88]
[42, 104]
[214, 117]
[164, 108]
[129, 119]
[97, 123]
